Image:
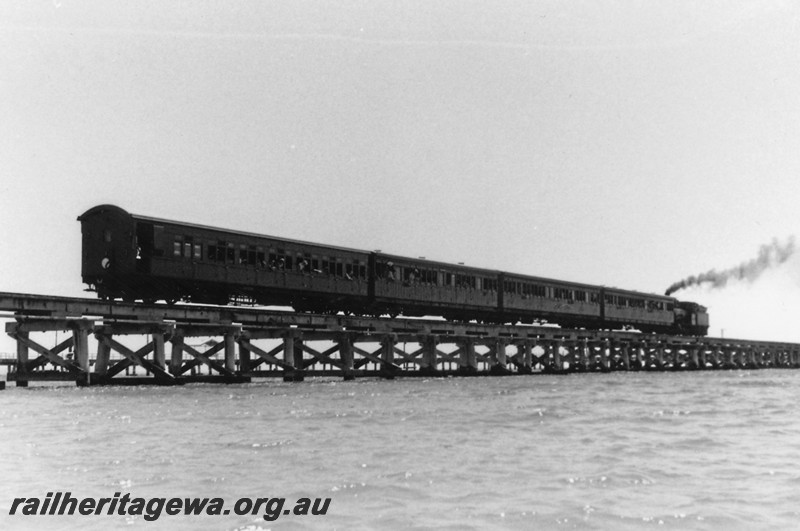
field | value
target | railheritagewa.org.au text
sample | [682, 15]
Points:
[64, 503]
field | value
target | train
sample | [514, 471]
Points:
[140, 258]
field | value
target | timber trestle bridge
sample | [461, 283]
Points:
[96, 342]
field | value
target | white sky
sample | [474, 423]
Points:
[629, 144]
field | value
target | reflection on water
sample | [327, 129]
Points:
[593, 451]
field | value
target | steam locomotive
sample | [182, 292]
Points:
[133, 257]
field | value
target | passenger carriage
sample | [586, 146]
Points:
[527, 299]
[646, 312]
[417, 287]
[137, 257]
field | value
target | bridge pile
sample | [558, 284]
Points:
[190, 343]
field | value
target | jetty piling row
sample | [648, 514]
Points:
[186, 343]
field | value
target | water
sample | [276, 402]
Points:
[599, 451]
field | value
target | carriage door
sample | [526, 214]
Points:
[144, 246]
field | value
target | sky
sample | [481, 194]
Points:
[620, 143]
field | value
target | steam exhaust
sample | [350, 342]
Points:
[769, 256]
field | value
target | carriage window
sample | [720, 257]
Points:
[212, 253]
[465, 281]
[177, 246]
[303, 263]
[198, 251]
[353, 270]
[562, 293]
[411, 275]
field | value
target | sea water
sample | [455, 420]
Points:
[695, 450]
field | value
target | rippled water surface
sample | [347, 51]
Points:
[598, 451]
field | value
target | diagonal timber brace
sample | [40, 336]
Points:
[204, 357]
[128, 362]
[266, 357]
[48, 354]
[137, 358]
[322, 357]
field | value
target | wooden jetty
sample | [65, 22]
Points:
[225, 344]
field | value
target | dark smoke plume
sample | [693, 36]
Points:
[769, 256]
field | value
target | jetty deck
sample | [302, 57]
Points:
[94, 342]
